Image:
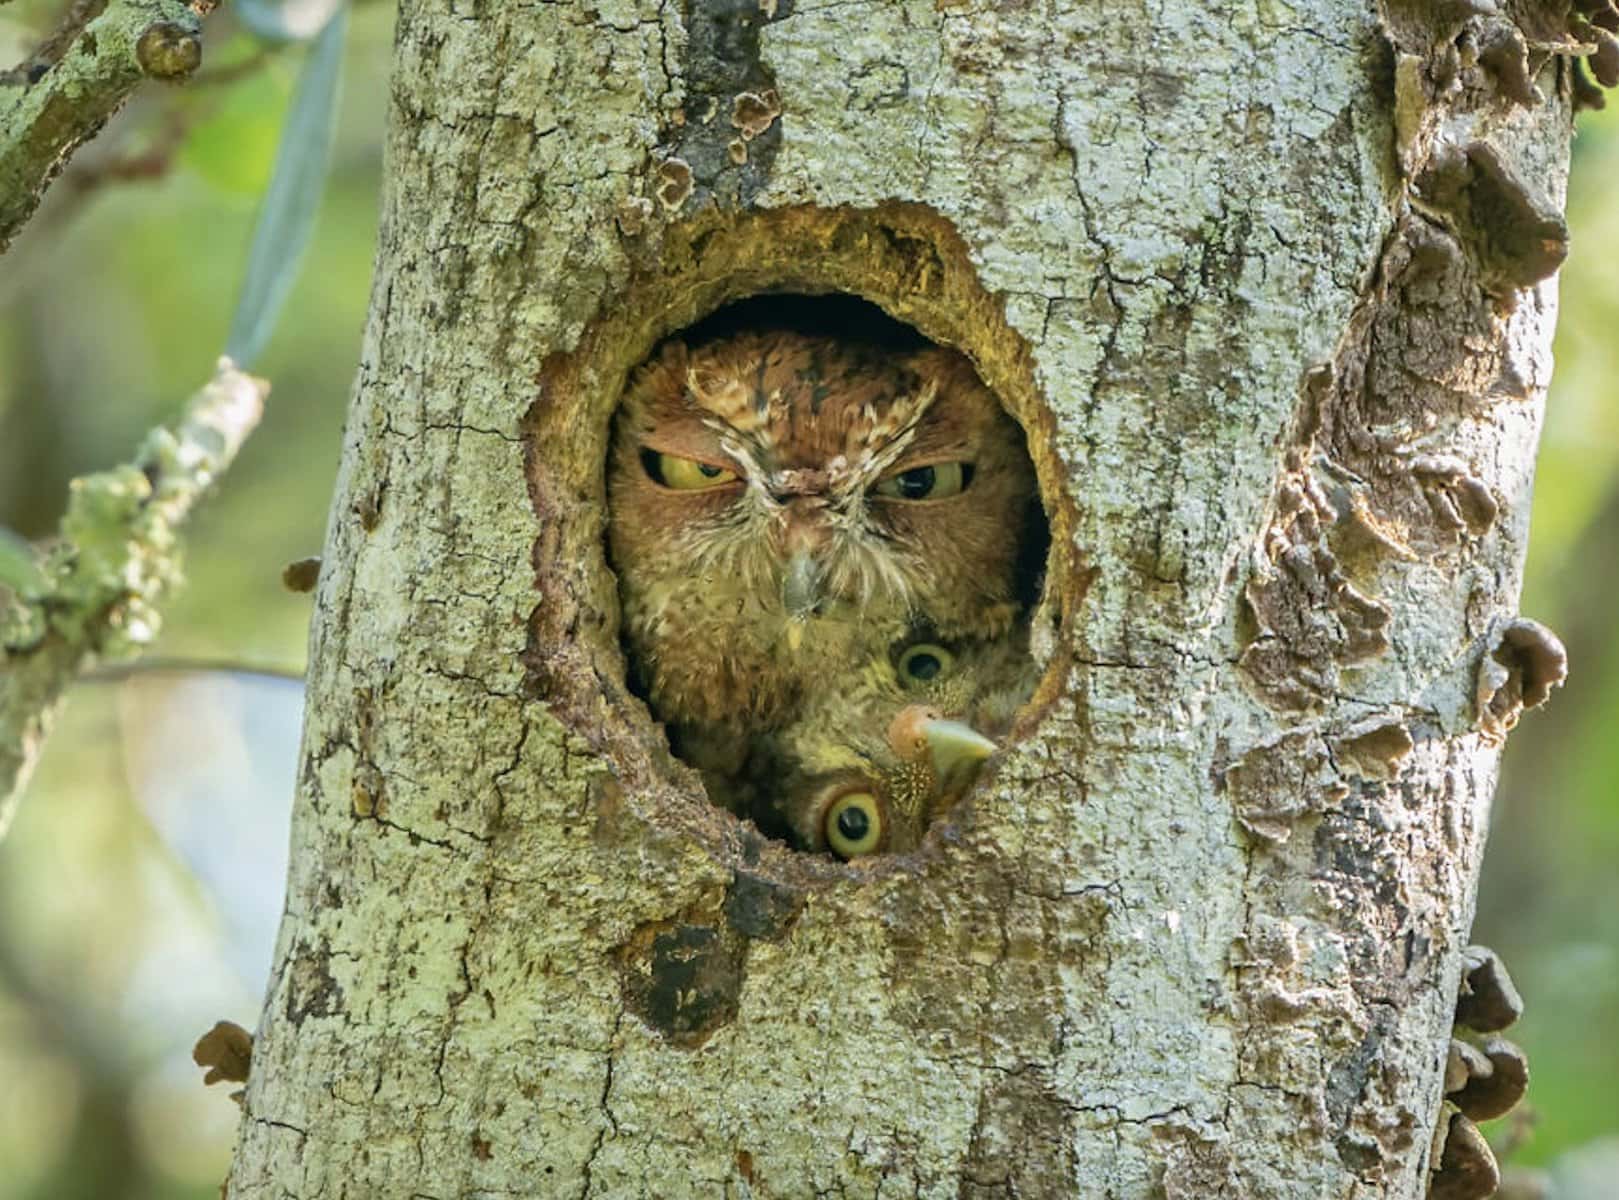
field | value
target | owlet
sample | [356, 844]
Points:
[783, 508]
[873, 761]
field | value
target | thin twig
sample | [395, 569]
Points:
[119, 672]
[154, 162]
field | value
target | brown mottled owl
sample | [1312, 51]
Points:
[872, 762]
[783, 508]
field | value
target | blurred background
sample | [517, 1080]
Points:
[140, 886]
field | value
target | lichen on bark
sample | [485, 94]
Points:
[100, 583]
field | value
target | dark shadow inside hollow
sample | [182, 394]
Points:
[829, 543]
[836, 315]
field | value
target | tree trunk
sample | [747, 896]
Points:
[1270, 290]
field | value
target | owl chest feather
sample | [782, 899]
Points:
[719, 650]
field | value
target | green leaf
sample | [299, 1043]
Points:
[19, 568]
[287, 214]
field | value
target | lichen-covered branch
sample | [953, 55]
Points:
[101, 583]
[62, 96]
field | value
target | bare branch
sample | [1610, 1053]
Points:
[119, 672]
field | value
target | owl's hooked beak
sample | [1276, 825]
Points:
[952, 748]
[800, 594]
[956, 749]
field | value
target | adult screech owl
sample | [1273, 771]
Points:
[784, 508]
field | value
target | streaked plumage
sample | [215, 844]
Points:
[784, 509]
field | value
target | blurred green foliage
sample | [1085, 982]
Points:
[1550, 896]
[233, 145]
[114, 957]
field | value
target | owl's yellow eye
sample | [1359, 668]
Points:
[924, 662]
[683, 474]
[934, 482]
[854, 825]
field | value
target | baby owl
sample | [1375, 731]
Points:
[867, 767]
[785, 508]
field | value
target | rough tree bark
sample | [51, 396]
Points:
[1270, 289]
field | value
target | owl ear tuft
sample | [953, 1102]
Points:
[722, 392]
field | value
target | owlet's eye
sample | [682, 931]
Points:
[854, 825]
[924, 662]
[683, 474]
[934, 482]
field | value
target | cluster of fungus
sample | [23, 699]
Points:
[1594, 24]
[1485, 1077]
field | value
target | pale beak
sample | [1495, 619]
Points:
[800, 592]
[956, 748]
